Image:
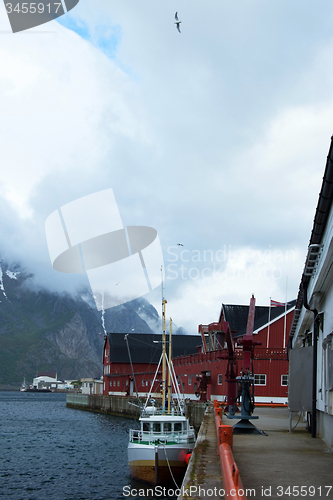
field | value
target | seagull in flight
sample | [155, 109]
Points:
[177, 23]
[180, 244]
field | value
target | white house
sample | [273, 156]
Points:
[91, 386]
[311, 335]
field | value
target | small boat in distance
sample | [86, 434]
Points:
[159, 451]
[24, 386]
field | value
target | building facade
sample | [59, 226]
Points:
[311, 335]
[91, 386]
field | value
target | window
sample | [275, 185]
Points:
[195, 386]
[167, 427]
[284, 379]
[260, 379]
[143, 383]
[189, 380]
[177, 426]
[156, 427]
[145, 426]
[219, 379]
[118, 383]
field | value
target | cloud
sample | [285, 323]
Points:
[230, 276]
[216, 137]
[64, 107]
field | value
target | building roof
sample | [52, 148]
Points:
[47, 374]
[143, 349]
[319, 225]
[237, 315]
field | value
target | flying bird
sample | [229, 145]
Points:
[180, 244]
[177, 23]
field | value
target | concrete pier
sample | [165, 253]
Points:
[113, 405]
[203, 474]
[283, 463]
[126, 406]
[278, 465]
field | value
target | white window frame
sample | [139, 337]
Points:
[284, 385]
[259, 381]
[219, 380]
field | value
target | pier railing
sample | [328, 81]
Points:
[231, 479]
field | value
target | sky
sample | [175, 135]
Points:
[217, 137]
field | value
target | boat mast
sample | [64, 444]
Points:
[169, 373]
[133, 375]
[163, 357]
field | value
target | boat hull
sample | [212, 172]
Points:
[152, 464]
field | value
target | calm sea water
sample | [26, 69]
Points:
[50, 452]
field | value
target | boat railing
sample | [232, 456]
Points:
[147, 412]
[137, 436]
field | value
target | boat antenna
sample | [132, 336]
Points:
[163, 357]
[130, 358]
[163, 344]
[169, 374]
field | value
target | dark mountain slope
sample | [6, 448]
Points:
[47, 331]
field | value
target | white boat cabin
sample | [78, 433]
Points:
[163, 428]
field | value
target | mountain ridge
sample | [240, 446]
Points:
[43, 330]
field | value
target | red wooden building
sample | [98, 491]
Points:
[199, 360]
[143, 350]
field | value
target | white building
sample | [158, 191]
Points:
[46, 380]
[311, 334]
[91, 386]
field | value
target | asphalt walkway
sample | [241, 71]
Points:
[280, 465]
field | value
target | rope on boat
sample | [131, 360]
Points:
[166, 456]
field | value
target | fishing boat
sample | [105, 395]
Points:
[159, 451]
[24, 386]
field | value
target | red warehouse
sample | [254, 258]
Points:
[200, 361]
